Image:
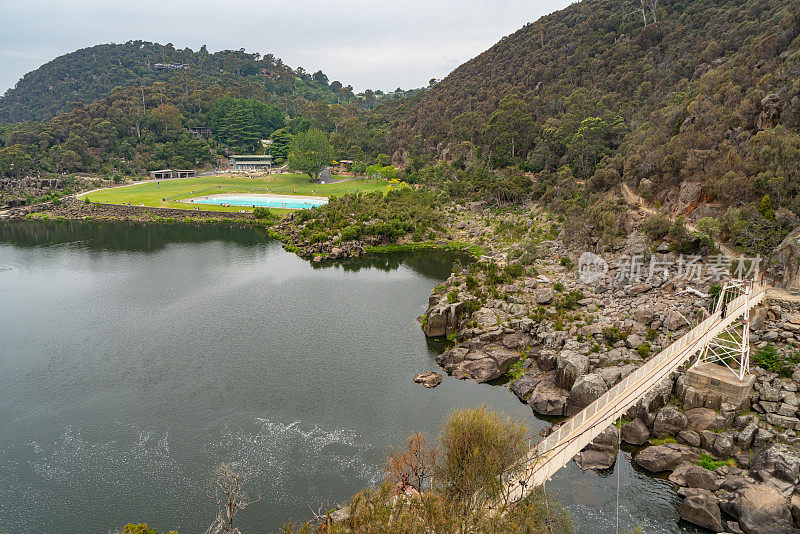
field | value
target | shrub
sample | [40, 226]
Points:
[656, 226]
[565, 262]
[318, 237]
[769, 359]
[414, 465]
[460, 476]
[514, 271]
[477, 447]
[652, 334]
[678, 230]
[612, 334]
[471, 306]
[569, 301]
[351, 233]
[471, 282]
[260, 212]
[558, 286]
[644, 350]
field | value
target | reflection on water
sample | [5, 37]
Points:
[151, 238]
[122, 236]
[134, 358]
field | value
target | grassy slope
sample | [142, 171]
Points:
[151, 193]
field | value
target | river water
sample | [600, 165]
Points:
[135, 358]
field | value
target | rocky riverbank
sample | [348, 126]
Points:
[72, 208]
[562, 343]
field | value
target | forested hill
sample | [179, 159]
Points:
[686, 90]
[90, 74]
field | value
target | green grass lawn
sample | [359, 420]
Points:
[171, 191]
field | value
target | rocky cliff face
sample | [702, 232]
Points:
[783, 264]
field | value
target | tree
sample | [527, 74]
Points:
[595, 137]
[708, 230]
[320, 78]
[369, 98]
[228, 493]
[241, 123]
[765, 208]
[311, 153]
[281, 143]
[508, 130]
[467, 127]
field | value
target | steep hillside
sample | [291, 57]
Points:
[702, 93]
[92, 73]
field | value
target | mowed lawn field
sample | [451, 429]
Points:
[168, 193]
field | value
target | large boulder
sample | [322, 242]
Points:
[547, 399]
[784, 261]
[449, 359]
[544, 295]
[702, 508]
[760, 510]
[675, 320]
[669, 421]
[644, 315]
[504, 357]
[480, 370]
[601, 453]
[524, 385]
[586, 389]
[688, 197]
[569, 366]
[699, 419]
[745, 438]
[442, 318]
[779, 461]
[699, 477]
[489, 317]
[724, 445]
[613, 375]
[485, 364]
[657, 397]
[635, 432]
[659, 458]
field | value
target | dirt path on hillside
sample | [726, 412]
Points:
[633, 198]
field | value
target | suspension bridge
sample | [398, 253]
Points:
[722, 338]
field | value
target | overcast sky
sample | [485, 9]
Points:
[374, 44]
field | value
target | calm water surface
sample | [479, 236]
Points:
[134, 359]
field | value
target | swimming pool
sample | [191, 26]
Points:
[292, 203]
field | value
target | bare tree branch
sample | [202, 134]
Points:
[226, 490]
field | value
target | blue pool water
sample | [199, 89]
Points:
[250, 201]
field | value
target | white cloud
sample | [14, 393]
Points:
[360, 42]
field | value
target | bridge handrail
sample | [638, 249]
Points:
[653, 366]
